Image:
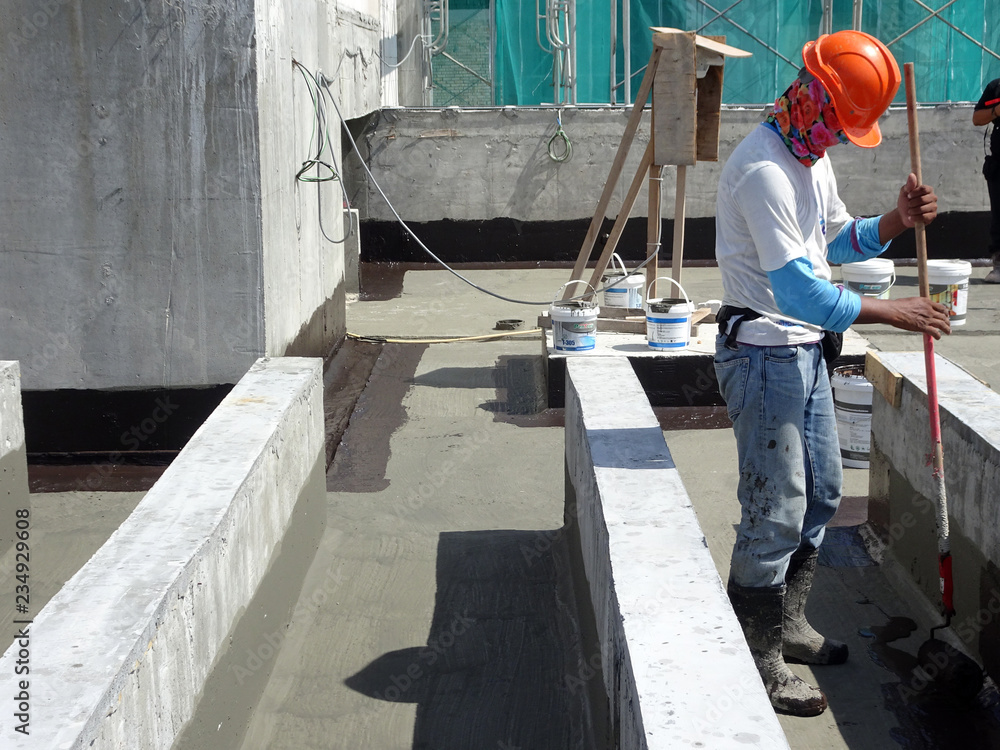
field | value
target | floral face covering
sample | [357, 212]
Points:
[803, 116]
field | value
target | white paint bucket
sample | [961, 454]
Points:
[949, 284]
[852, 403]
[574, 322]
[668, 320]
[624, 289]
[870, 278]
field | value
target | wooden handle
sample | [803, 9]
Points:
[911, 122]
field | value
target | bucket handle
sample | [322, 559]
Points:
[621, 263]
[672, 281]
[573, 281]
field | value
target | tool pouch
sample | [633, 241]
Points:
[832, 343]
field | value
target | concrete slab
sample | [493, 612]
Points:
[13, 458]
[676, 666]
[67, 528]
[436, 612]
[873, 701]
[118, 656]
[434, 482]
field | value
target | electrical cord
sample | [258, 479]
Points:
[483, 337]
[325, 83]
[423, 40]
[324, 141]
[567, 150]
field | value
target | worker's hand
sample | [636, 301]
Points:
[922, 315]
[916, 202]
[909, 314]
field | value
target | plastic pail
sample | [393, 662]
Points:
[624, 289]
[870, 278]
[574, 323]
[949, 284]
[668, 320]
[852, 403]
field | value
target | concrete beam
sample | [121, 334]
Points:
[475, 165]
[677, 670]
[13, 459]
[904, 493]
[119, 656]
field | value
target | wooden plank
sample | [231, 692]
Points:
[677, 251]
[709, 114]
[886, 381]
[619, 227]
[653, 223]
[616, 169]
[674, 89]
[710, 42]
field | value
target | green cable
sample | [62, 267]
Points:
[567, 146]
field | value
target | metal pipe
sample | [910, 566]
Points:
[614, 44]
[627, 47]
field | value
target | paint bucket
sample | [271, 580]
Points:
[622, 290]
[852, 403]
[574, 322]
[668, 319]
[949, 284]
[870, 278]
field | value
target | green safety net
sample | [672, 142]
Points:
[955, 52]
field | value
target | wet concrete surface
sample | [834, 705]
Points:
[67, 528]
[444, 526]
[438, 610]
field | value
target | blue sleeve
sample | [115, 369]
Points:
[858, 240]
[800, 295]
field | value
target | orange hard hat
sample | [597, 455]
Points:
[861, 76]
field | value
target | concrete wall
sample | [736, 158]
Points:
[482, 164]
[119, 656]
[904, 493]
[13, 460]
[151, 230]
[677, 670]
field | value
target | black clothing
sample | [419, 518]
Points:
[991, 167]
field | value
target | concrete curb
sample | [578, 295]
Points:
[119, 656]
[677, 670]
[13, 459]
[904, 491]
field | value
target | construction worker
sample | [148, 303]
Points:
[779, 225]
[986, 113]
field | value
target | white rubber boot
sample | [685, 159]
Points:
[760, 611]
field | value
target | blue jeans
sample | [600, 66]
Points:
[781, 405]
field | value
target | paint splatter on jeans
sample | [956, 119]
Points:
[781, 405]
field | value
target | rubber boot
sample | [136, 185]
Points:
[799, 641]
[760, 612]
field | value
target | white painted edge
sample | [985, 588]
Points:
[661, 607]
[120, 654]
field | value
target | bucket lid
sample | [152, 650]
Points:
[852, 375]
[949, 267]
[630, 280]
[883, 265]
[576, 307]
[667, 304]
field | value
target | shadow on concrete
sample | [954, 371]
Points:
[497, 669]
[890, 701]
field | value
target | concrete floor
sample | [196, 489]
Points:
[855, 600]
[437, 611]
[67, 528]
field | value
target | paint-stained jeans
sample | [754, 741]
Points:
[781, 405]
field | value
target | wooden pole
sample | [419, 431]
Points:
[677, 257]
[653, 228]
[619, 227]
[616, 170]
